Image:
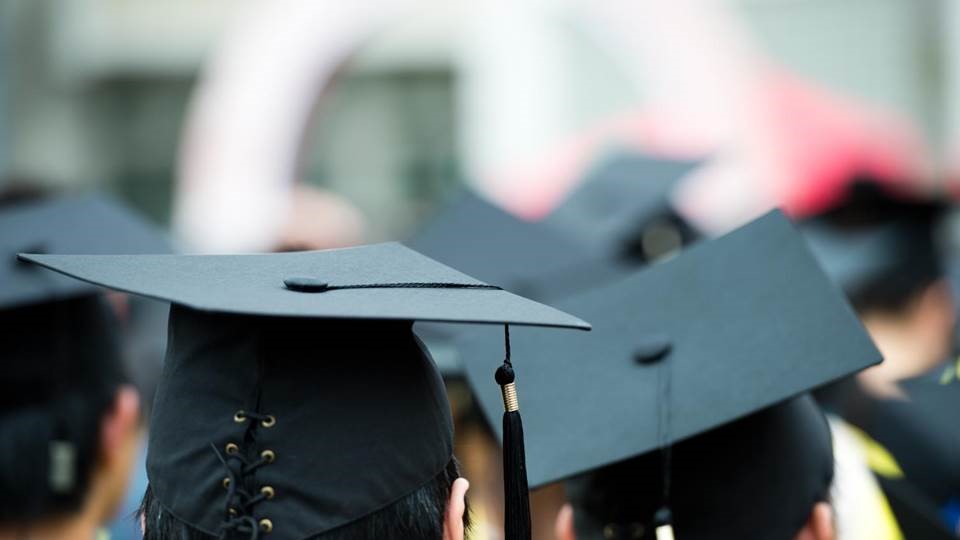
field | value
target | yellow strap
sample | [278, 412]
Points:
[950, 373]
[879, 459]
[884, 525]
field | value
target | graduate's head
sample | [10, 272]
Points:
[296, 400]
[69, 419]
[880, 246]
[764, 476]
[681, 409]
[883, 249]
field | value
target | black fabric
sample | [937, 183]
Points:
[478, 238]
[622, 207]
[362, 418]
[920, 431]
[751, 321]
[757, 478]
[89, 224]
[61, 371]
[874, 238]
[253, 284]
[915, 513]
[53, 348]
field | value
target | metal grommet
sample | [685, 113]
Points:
[240, 417]
[268, 492]
[269, 421]
[232, 448]
[226, 483]
[266, 525]
[268, 455]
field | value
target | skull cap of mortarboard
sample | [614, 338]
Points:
[726, 329]
[299, 372]
[622, 206]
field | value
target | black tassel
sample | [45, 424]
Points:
[516, 523]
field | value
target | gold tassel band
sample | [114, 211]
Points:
[665, 532]
[510, 402]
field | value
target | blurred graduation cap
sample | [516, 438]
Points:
[59, 337]
[623, 207]
[727, 329]
[524, 257]
[304, 367]
[521, 256]
[875, 236]
[90, 224]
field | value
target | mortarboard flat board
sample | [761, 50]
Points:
[303, 367]
[92, 224]
[382, 282]
[622, 207]
[736, 325]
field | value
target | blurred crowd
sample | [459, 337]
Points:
[586, 155]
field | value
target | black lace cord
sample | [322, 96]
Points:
[415, 285]
[238, 498]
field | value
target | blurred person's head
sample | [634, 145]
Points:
[882, 248]
[767, 475]
[69, 420]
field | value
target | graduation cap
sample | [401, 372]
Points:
[623, 207]
[90, 224]
[521, 256]
[294, 390]
[875, 237]
[524, 257]
[59, 341]
[727, 329]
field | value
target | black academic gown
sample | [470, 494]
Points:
[922, 432]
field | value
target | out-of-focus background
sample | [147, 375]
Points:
[258, 125]
[96, 92]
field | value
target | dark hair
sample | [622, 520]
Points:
[417, 516]
[61, 375]
[918, 261]
[763, 472]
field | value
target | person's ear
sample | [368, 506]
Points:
[120, 425]
[456, 506]
[819, 525]
[563, 529]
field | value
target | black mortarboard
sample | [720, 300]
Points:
[877, 238]
[728, 328]
[623, 207]
[521, 256]
[524, 257]
[294, 390]
[91, 224]
[62, 359]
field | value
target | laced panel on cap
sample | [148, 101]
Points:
[242, 499]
